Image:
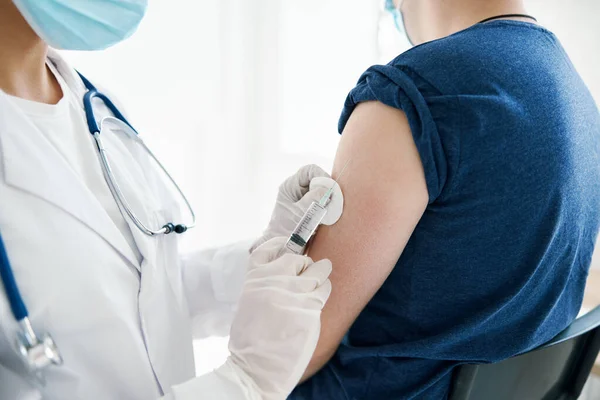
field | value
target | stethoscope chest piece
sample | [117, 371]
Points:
[37, 353]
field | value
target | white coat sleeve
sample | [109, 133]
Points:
[213, 280]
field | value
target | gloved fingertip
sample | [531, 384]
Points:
[319, 271]
[328, 286]
[323, 292]
[325, 267]
[328, 265]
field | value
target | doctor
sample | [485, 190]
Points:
[89, 232]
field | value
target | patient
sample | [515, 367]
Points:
[472, 204]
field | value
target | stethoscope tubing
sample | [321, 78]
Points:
[17, 305]
[114, 187]
[29, 342]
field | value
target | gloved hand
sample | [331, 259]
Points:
[295, 195]
[275, 331]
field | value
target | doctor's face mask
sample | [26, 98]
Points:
[83, 24]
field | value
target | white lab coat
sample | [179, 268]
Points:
[124, 330]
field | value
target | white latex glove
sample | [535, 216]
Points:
[295, 195]
[274, 333]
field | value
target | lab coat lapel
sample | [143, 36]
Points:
[163, 310]
[31, 164]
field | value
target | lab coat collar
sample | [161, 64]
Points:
[69, 74]
[30, 163]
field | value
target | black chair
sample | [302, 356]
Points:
[557, 370]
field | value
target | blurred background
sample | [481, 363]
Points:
[235, 96]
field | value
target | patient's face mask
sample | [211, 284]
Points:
[83, 24]
[396, 11]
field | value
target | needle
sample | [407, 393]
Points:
[328, 194]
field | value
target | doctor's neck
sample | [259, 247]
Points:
[23, 70]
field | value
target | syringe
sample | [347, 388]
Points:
[310, 221]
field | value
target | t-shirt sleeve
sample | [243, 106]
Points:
[398, 88]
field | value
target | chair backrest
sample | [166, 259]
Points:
[556, 370]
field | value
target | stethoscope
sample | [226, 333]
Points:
[40, 351]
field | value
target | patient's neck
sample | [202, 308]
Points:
[455, 16]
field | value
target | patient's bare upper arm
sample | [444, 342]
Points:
[385, 195]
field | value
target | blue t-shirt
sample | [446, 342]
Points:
[509, 137]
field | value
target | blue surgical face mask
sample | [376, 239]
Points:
[83, 24]
[398, 18]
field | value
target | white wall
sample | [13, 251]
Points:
[575, 22]
[235, 96]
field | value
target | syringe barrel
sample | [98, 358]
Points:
[306, 228]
